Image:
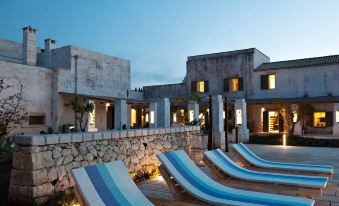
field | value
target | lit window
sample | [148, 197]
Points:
[295, 117]
[271, 81]
[337, 116]
[174, 117]
[133, 116]
[234, 84]
[319, 119]
[201, 86]
[147, 118]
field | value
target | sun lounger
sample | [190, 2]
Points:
[178, 168]
[107, 184]
[254, 160]
[217, 160]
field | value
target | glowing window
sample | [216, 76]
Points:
[319, 119]
[174, 117]
[234, 84]
[133, 117]
[295, 117]
[271, 81]
[200, 86]
[147, 118]
[337, 116]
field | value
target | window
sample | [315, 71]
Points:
[233, 84]
[36, 120]
[319, 119]
[267, 81]
[271, 81]
[199, 86]
[133, 117]
[337, 116]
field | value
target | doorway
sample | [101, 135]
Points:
[110, 117]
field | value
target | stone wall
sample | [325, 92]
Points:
[42, 163]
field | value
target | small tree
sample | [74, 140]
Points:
[286, 113]
[80, 110]
[12, 113]
[305, 112]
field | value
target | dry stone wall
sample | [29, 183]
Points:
[42, 163]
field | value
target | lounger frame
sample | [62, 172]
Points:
[307, 192]
[249, 165]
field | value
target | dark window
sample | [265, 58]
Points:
[36, 120]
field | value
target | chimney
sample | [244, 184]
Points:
[29, 45]
[49, 44]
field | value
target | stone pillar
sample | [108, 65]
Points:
[193, 106]
[335, 119]
[128, 125]
[218, 122]
[163, 116]
[120, 114]
[241, 120]
[152, 116]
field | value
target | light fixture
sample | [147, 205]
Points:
[284, 140]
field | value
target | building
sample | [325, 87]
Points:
[259, 87]
[255, 87]
[53, 76]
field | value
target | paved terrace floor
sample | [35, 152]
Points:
[310, 155]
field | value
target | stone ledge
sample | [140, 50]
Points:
[49, 139]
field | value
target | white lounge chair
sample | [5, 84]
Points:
[253, 159]
[107, 184]
[182, 169]
[216, 158]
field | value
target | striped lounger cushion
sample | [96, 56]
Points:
[259, 162]
[198, 184]
[108, 184]
[225, 164]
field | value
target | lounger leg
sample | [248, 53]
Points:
[79, 196]
[177, 191]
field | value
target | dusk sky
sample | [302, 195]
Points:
[157, 36]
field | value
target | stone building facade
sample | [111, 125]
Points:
[54, 76]
[256, 88]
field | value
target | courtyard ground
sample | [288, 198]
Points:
[309, 155]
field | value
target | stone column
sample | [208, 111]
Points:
[241, 120]
[163, 116]
[335, 119]
[193, 106]
[120, 114]
[152, 116]
[218, 122]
